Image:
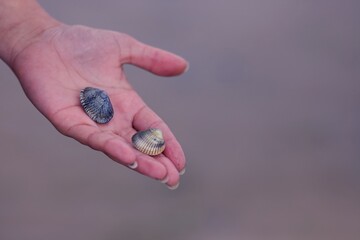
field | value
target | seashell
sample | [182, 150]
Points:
[150, 142]
[96, 104]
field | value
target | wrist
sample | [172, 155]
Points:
[21, 23]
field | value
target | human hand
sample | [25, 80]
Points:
[62, 60]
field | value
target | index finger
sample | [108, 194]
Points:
[145, 118]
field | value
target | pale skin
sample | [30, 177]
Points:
[54, 61]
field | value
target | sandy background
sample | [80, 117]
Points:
[268, 115]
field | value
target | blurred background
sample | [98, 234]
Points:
[268, 116]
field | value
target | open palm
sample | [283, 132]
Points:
[63, 60]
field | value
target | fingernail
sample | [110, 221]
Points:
[165, 180]
[133, 165]
[174, 187]
[182, 172]
[187, 67]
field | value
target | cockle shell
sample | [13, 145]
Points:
[150, 142]
[96, 103]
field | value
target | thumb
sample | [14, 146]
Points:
[153, 59]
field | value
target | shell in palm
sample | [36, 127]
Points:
[150, 142]
[96, 104]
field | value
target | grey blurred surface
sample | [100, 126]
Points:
[268, 115]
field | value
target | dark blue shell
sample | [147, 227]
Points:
[96, 104]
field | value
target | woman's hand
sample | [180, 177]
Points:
[61, 60]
